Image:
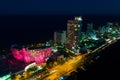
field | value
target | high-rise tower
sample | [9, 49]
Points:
[60, 37]
[89, 28]
[73, 32]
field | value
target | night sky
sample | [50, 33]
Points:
[23, 21]
[33, 7]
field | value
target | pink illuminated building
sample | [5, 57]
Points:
[35, 55]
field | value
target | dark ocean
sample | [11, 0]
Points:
[24, 29]
[27, 28]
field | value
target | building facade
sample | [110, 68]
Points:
[89, 28]
[60, 37]
[73, 32]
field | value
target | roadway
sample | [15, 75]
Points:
[60, 70]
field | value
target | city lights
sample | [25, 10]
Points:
[70, 50]
[38, 56]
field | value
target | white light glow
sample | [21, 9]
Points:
[30, 65]
[79, 18]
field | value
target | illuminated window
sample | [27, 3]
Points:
[76, 29]
[78, 25]
[78, 18]
[75, 37]
[75, 26]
